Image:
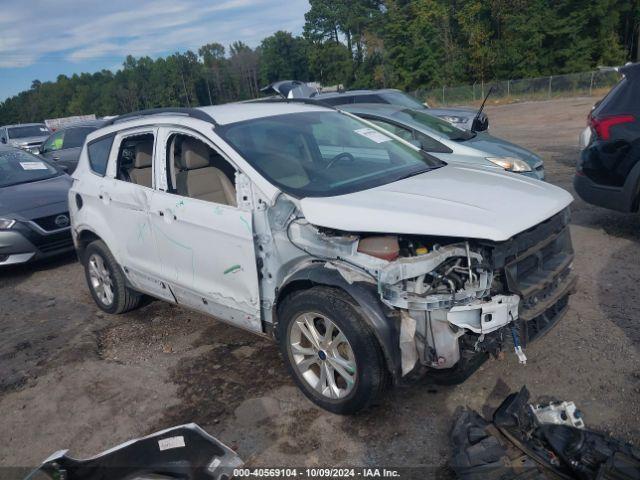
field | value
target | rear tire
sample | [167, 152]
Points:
[330, 351]
[106, 281]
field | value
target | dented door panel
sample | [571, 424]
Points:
[206, 254]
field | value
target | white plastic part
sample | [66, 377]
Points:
[522, 358]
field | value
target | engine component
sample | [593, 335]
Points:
[384, 247]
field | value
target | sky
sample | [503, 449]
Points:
[40, 39]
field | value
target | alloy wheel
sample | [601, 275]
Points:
[101, 281]
[322, 355]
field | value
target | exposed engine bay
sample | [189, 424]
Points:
[456, 301]
[453, 301]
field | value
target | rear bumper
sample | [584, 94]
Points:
[613, 198]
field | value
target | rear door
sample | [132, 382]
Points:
[127, 191]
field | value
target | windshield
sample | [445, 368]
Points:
[320, 154]
[17, 166]
[433, 123]
[402, 99]
[28, 131]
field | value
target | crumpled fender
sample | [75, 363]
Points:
[365, 296]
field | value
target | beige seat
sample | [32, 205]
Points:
[142, 173]
[198, 179]
[284, 162]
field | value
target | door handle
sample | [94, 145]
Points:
[56, 158]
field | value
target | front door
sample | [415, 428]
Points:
[204, 241]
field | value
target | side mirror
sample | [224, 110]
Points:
[3, 140]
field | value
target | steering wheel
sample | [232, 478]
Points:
[340, 156]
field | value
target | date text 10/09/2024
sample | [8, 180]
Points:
[316, 472]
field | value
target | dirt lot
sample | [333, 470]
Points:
[71, 377]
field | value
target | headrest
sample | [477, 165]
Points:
[143, 155]
[195, 154]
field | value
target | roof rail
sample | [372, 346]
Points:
[187, 112]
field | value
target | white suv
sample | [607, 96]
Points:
[366, 259]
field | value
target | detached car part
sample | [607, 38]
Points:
[185, 452]
[526, 441]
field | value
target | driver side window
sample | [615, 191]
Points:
[196, 170]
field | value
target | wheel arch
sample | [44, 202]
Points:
[84, 237]
[363, 296]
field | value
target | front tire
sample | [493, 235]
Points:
[106, 281]
[330, 351]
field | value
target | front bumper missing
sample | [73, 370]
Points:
[433, 336]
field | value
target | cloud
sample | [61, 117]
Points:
[78, 31]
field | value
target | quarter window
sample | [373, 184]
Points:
[98, 152]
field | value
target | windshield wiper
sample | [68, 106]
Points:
[413, 174]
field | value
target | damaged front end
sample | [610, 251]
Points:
[454, 301]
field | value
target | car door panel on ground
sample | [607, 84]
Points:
[205, 245]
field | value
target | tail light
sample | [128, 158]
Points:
[602, 126]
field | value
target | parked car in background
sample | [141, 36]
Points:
[462, 117]
[448, 142]
[363, 256]
[34, 216]
[608, 170]
[63, 147]
[28, 136]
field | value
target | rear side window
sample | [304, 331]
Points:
[622, 99]
[74, 137]
[98, 152]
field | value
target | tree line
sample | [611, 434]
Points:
[406, 44]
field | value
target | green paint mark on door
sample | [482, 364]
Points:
[233, 269]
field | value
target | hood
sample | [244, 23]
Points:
[451, 201]
[497, 147]
[35, 199]
[27, 140]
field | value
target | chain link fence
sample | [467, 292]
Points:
[574, 84]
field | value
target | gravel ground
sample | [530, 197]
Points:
[71, 377]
